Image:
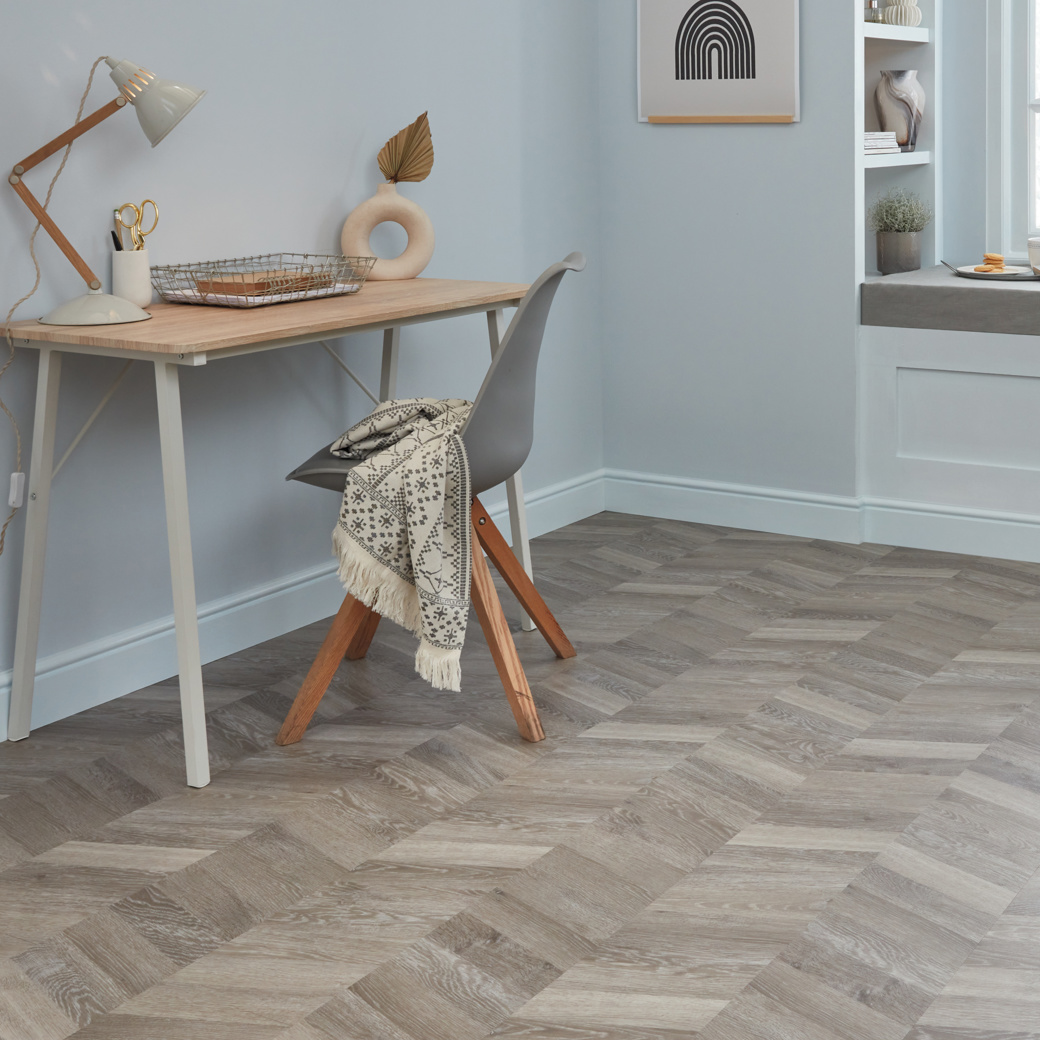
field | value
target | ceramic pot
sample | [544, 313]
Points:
[385, 205]
[898, 251]
[903, 12]
[899, 100]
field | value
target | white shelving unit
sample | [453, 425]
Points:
[916, 158]
[873, 31]
[898, 47]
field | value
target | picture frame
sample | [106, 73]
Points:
[718, 61]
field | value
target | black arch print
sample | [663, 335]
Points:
[715, 36]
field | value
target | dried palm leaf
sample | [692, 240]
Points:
[408, 156]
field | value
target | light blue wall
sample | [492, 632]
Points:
[730, 300]
[300, 98]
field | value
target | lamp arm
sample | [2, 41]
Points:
[59, 142]
[70, 135]
[52, 229]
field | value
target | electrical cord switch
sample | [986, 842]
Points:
[17, 492]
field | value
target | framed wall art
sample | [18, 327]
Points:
[718, 61]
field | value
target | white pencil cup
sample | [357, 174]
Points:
[131, 277]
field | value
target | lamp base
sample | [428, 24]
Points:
[95, 308]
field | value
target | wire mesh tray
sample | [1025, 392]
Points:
[256, 281]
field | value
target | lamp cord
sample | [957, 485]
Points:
[36, 284]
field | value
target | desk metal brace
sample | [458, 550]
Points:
[93, 416]
[388, 372]
[346, 368]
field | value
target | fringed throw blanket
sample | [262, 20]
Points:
[404, 537]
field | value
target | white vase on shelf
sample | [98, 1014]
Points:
[900, 99]
[903, 12]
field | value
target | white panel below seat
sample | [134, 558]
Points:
[976, 418]
[950, 421]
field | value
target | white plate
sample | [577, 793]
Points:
[1009, 274]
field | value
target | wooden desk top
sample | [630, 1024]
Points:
[185, 329]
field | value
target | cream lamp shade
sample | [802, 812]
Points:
[160, 103]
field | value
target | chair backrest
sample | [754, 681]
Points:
[500, 428]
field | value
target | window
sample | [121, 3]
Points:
[1033, 116]
[1012, 130]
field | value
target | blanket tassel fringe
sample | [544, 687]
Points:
[392, 597]
[439, 667]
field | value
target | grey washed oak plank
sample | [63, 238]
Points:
[736, 701]
[568, 1001]
[585, 980]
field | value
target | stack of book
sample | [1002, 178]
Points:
[880, 143]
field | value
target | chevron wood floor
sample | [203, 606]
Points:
[791, 789]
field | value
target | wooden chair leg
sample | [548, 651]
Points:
[503, 649]
[363, 639]
[519, 583]
[346, 625]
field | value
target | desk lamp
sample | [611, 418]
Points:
[160, 104]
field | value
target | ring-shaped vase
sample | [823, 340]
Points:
[387, 205]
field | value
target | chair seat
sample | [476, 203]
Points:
[324, 470]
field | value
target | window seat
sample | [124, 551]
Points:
[935, 298]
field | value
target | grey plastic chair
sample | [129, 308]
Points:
[498, 435]
[500, 429]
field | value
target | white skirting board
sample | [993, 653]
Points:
[83, 676]
[733, 505]
[93, 673]
[1003, 536]
[917, 525]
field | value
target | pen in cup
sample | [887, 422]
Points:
[116, 242]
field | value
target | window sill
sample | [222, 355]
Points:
[935, 298]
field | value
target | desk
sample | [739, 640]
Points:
[177, 335]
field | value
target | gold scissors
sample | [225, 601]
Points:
[137, 233]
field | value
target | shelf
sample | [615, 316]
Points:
[901, 33]
[876, 47]
[875, 162]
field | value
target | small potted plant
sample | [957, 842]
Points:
[898, 217]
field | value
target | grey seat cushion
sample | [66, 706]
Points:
[324, 470]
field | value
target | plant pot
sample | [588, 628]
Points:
[898, 251]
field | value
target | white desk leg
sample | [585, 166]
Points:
[514, 485]
[41, 465]
[388, 375]
[185, 611]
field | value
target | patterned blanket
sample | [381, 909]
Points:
[404, 536]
